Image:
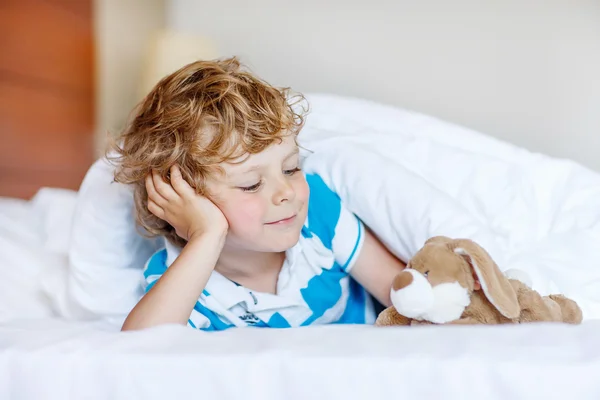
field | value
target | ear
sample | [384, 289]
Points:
[496, 287]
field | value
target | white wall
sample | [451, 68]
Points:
[122, 31]
[522, 70]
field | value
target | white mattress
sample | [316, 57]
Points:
[44, 357]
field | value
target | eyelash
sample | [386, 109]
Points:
[291, 172]
[253, 188]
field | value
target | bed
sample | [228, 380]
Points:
[60, 341]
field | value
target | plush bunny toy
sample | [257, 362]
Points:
[457, 282]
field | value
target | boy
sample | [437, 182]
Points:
[250, 239]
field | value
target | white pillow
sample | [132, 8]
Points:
[106, 254]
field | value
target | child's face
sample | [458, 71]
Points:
[264, 199]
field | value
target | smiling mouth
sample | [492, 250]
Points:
[282, 221]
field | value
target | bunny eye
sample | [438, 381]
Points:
[426, 274]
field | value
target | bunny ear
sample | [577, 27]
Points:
[496, 287]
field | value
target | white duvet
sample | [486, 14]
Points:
[408, 177]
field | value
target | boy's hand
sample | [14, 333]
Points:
[177, 203]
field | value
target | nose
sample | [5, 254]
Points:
[284, 191]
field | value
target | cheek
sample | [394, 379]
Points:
[301, 189]
[244, 213]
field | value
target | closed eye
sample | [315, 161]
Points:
[255, 187]
[290, 172]
[252, 188]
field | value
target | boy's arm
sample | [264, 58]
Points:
[173, 296]
[199, 221]
[375, 268]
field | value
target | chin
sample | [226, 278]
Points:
[281, 242]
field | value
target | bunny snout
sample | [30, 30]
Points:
[414, 297]
[411, 294]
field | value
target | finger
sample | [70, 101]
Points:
[152, 193]
[162, 187]
[156, 209]
[179, 184]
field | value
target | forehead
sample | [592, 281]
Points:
[277, 152]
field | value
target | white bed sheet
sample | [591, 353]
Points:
[34, 237]
[52, 359]
[42, 357]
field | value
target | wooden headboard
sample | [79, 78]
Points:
[46, 94]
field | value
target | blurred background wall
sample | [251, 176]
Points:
[525, 71]
[124, 30]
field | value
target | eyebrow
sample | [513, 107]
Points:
[256, 167]
[251, 169]
[293, 153]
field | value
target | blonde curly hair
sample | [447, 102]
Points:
[204, 114]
